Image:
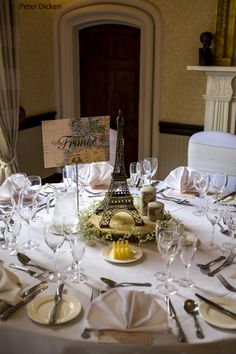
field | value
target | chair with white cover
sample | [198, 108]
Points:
[214, 151]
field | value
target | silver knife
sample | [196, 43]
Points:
[57, 299]
[181, 337]
[27, 292]
[29, 271]
[24, 301]
[217, 307]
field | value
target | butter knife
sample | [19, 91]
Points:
[24, 301]
[181, 337]
[57, 299]
[27, 292]
[217, 306]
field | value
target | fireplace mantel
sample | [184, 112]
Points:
[220, 97]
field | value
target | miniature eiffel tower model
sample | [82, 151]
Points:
[118, 197]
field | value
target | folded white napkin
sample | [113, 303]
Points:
[10, 286]
[123, 310]
[95, 174]
[181, 179]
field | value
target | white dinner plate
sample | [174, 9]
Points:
[136, 250]
[39, 309]
[217, 318]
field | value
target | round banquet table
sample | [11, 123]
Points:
[20, 334]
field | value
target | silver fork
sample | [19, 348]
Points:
[226, 263]
[226, 284]
[95, 293]
[173, 199]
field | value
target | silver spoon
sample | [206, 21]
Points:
[191, 307]
[112, 284]
[25, 260]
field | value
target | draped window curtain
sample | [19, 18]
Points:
[9, 88]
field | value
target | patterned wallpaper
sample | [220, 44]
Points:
[181, 90]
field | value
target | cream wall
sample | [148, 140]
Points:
[181, 90]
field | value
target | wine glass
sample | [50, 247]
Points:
[35, 185]
[188, 247]
[213, 214]
[70, 228]
[219, 182]
[143, 170]
[27, 210]
[150, 166]
[134, 170]
[201, 182]
[54, 238]
[77, 250]
[229, 219]
[168, 246]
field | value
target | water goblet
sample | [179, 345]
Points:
[219, 182]
[77, 250]
[201, 182]
[188, 247]
[213, 214]
[150, 166]
[168, 246]
[18, 182]
[54, 238]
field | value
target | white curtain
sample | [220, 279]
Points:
[9, 87]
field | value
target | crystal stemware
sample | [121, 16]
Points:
[201, 182]
[70, 229]
[54, 238]
[134, 170]
[213, 214]
[168, 246]
[68, 176]
[188, 247]
[6, 213]
[150, 166]
[77, 250]
[14, 231]
[219, 182]
[27, 210]
[229, 219]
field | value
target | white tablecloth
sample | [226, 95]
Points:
[20, 334]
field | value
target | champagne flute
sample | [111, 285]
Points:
[77, 250]
[70, 228]
[229, 219]
[27, 210]
[15, 228]
[54, 239]
[213, 215]
[188, 247]
[219, 182]
[201, 182]
[168, 246]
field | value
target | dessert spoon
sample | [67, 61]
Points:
[191, 307]
[112, 284]
[25, 260]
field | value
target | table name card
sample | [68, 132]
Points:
[81, 140]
